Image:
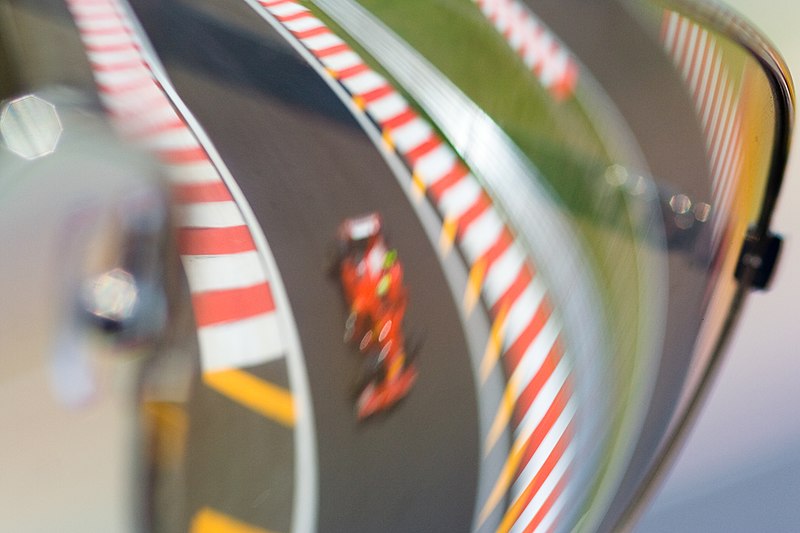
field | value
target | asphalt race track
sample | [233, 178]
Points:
[304, 165]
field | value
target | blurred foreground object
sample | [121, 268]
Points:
[85, 234]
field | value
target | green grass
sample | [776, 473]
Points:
[455, 37]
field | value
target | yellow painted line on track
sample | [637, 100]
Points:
[495, 344]
[210, 521]
[448, 236]
[513, 512]
[386, 136]
[275, 403]
[169, 424]
[418, 187]
[503, 416]
[503, 482]
[474, 285]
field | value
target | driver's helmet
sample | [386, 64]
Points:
[385, 282]
[390, 259]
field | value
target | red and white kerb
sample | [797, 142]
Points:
[233, 305]
[547, 58]
[538, 401]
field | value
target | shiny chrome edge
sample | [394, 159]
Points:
[728, 23]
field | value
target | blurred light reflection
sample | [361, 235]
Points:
[702, 211]
[680, 204]
[112, 296]
[640, 187]
[30, 126]
[616, 175]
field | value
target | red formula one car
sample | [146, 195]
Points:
[372, 281]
